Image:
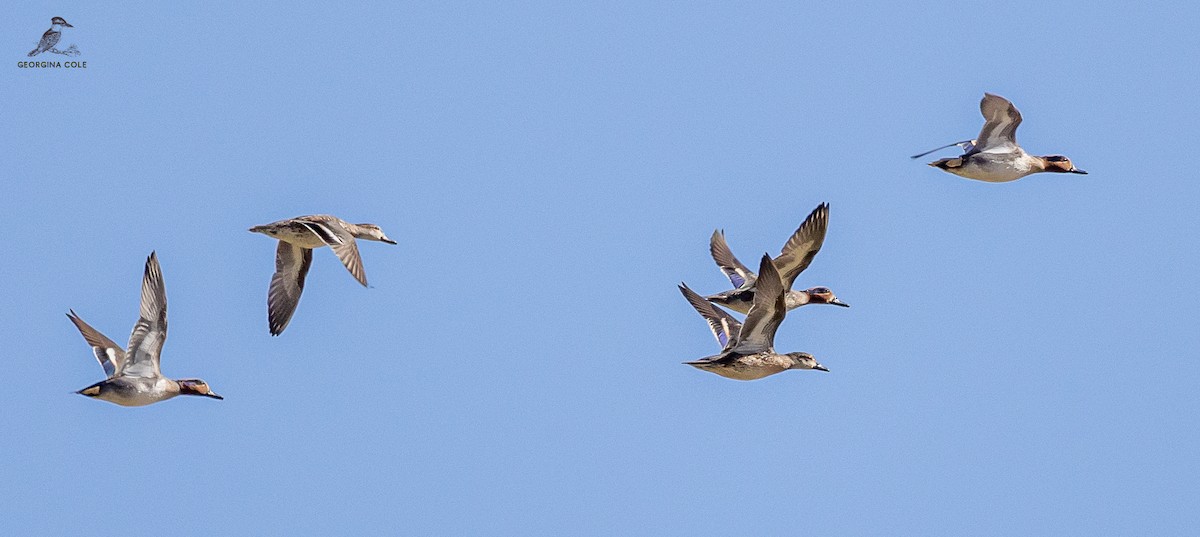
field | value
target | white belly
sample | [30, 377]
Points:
[300, 237]
[993, 171]
[138, 393]
[747, 367]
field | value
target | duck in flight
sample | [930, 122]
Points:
[995, 156]
[796, 255]
[134, 378]
[297, 239]
[748, 350]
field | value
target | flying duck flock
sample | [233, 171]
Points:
[747, 352]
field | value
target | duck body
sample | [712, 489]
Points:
[740, 300]
[992, 167]
[294, 232]
[132, 391]
[744, 366]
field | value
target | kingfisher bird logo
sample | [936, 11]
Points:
[51, 38]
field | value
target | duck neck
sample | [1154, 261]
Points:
[358, 232]
[795, 299]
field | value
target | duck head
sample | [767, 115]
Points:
[196, 387]
[823, 295]
[1060, 164]
[804, 360]
[371, 232]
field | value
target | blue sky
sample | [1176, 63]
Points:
[1019, 358]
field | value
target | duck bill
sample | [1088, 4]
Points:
[214, 396]
[837, 302]
[820, 367]
[1078, 171]
[387, 240]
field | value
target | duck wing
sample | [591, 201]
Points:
[1001, 119]
[758, 332]
[291, 267]
[110, 355]
[803, 245]
[341, 241]
[724, 327]
[737, 273]
[150, 332]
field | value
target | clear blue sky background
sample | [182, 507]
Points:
[1019, 358]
